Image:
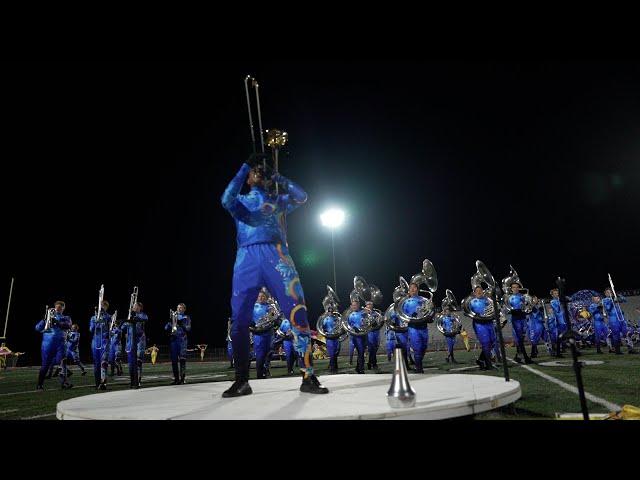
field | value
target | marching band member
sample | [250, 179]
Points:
[355, 320]
[203, 347]
[115, 350]
[99, 327]
[135, 343]
[390, 336]
[263, 260]
[449, 334]
[485, 332]
[261, 341]
[401, 339]
[599, 326]
[373, 340]
[418, 333]
[287, 345]
[333, 344]
[536, 326]
[178, 344]
[617, 323]
[518, 322]
[560, 321]
[72, 347]
[53, 343]
[352, 349]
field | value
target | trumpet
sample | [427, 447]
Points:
[49, 314]
[174, 321]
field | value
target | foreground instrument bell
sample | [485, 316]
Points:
[400, 393]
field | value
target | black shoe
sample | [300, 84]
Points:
[237, 389]
[632, 351]
[528, 361]
[447, 359]
[311, 384]
[134, 386]
[517, 359]
[66, 386]
[84, 372]
[368, 366]
[175, 382]
[102, 386]
[40, 387]
[267, 373]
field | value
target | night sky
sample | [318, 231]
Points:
[113, 173]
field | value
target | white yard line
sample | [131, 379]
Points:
[39, 416]
[9, 411]
[600, 401]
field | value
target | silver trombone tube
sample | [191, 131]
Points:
[246, 89]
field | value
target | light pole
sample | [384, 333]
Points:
[332, 219]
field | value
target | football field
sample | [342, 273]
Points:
[546, 390]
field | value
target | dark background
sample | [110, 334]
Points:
[113, 172]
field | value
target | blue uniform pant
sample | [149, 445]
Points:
[230, 351]
[360, 343]
[402, 341]
[352, 348]
[616, 330]
[136, 345]
[267, 265]
[100, 359]
[333, 349]
[486, 335]
[451, 341]
[601, 332]
[419, 340]
[535, 332]
[52, 350]
[373, 340]
[519, 327]
[289, 353]
[178, 353]
[262, 347]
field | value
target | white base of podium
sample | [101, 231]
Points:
[350, 397]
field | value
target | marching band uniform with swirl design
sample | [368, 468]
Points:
[53, 344]
[356, 321]
[261, 341]
[263, 260]
[418, 332]
[178, 347]
[100, 345]
[136, 344]
[485, 332]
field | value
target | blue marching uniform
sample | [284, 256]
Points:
[352, 349]
[329, 323]
[390, 337]
[53, 345]
[626, 331]
[100, 345]
[355, 320]
[617, 325]
[72, 349]
[447, 326]
[401, 339]
[178, 347]
[263, 260]
[136, 344]
[600, 328]
[560, 322]
[418, 332]
[287, 344]
[519, 324]
[373, 340]
[485, 332]
[115, 350]
[261, 341]
[536, 329]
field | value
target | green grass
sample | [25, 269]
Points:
[618, 381]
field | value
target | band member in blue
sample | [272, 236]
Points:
[263, 260]
[518, 321]
[599, 326]
[261, 340]
[288, 345]
[561, 323]
[536, 326]
[617, 322]
[448, 324]
[229, 344]
[352, 349]
[485, 332]
[401, 337]
[329, 324]
[390, 337]
[418, 331]
[178, 343]
[136, 343]
[356, 321]
[99, 327]
[53, 344]
[373, 340]
[72, 348]
[115, 350]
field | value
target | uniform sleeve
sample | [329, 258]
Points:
[92, 324]
[167, 327]
[296, 196]
[230, 196]
[187, 323]
[40, 326]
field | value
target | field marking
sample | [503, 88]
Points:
[39, 416]
[600, 401]
[463, 368]
[9, 411]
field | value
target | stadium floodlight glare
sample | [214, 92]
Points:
[332, 218]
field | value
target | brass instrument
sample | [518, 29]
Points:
[132, 303]
[427, 276]
[49, 314]
[390, 315]
[362, 293]
[451, 303]
[131, 328]
[482, 276]
[113, 321]
[99, 319]
[269, 320]
[506, 288]
[173, 315]
[331, 309]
